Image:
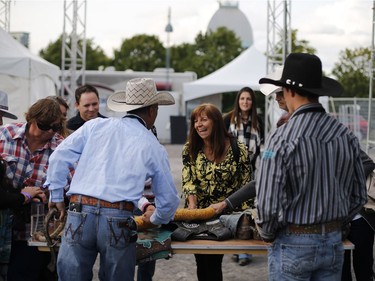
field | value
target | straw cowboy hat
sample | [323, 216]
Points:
[303, 73]
[140, 92]
[4, 106]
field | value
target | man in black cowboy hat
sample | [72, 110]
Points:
[311, 179]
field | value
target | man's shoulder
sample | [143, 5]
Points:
[75, 122]
[9, 131]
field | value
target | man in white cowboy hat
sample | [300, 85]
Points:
[4, 108]
[115, 157]
[311, 179]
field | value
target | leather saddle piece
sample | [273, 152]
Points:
[205, 230]
[153, 244]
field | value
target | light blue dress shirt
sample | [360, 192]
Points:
[113, 158]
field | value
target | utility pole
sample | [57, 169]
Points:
[279, 38]
[168, 30]
[371, 81]
[73, 51]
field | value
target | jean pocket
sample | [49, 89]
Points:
[337, 257]
[74, 227]
[122, 231]
[298, 260]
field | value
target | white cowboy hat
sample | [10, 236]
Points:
[4, 106]
[140, 92]
[268, 89]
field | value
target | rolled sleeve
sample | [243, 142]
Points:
[57, 195]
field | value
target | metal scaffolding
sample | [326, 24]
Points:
[73, 51]
[279, 45]
[5, 15]
[371, 139]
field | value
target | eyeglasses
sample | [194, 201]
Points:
[54, 127]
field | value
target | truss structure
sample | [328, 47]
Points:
[5, 15]
[73, 52]
[279, 45]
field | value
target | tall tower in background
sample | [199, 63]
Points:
[230, 16]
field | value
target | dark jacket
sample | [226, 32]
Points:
[76, 122]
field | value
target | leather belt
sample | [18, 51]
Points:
[92, 201]
[314, 228]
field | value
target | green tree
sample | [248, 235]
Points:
[210, 51]
[298, 46]
[140, 53]
[352, 71]
[52, 52]
[182, 57]
[95, 56]
[301, 46]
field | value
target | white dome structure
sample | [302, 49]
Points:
[231, 17]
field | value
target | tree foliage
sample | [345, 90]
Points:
[298, 46]
[95, 56]
[140, 53]
[182, 57]
[301, 46]
[210, 51]
[352, 71]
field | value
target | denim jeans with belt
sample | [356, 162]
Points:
[306, 257]
[92, 231]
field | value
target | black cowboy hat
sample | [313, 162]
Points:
[303, 73]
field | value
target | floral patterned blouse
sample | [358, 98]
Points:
[213, 182]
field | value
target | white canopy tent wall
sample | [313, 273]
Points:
[244, 70]
[23, 76]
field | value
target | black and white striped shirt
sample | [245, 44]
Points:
[310, 172]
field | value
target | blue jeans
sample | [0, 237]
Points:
[245, 256]
[306, 257]
[92, 231]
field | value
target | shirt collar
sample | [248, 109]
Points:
[130, 115]
[310, 107]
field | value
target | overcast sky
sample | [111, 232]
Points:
[330, 26]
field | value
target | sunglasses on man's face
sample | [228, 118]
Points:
[54, 127]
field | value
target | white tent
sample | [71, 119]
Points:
[23, 76]
[244, 70]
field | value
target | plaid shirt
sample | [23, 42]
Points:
[25, 168]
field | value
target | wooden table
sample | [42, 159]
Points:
[232, 246]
